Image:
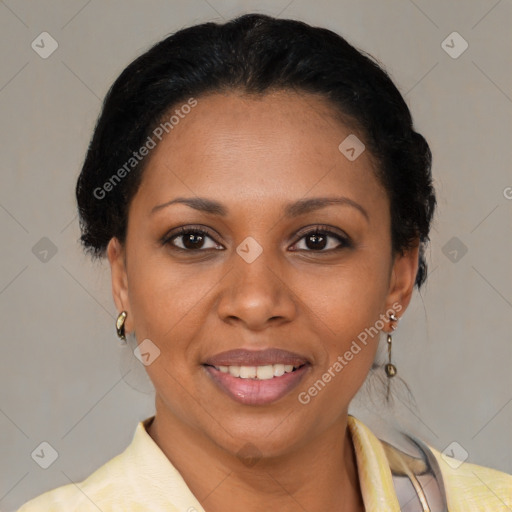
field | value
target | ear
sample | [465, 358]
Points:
[116, 258]
[403, 278]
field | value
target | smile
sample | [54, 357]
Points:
[265, 377]
[265, 372]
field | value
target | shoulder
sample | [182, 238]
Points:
[473, 488]
[118, 485]
[139, 479]
[467, 487]
[92, 494]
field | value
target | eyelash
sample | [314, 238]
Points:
[318, 230]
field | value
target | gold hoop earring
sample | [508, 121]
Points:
[390, 368]
[120, 326]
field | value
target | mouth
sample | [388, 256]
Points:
[256, 377]
[266, 372]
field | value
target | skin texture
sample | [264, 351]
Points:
[255, 155]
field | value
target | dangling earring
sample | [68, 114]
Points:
[390, 368]
[120, 327]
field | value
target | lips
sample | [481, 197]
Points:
[242, 357]
[256, 377]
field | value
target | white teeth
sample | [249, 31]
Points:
[234, 370]
[247, 372]
[265, 372]
[278, 370]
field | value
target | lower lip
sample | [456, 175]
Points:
[254, 391]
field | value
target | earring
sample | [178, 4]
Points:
[120, 327]
[390, 368]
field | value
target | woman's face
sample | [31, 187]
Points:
[258, 290]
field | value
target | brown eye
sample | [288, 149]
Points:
[322, 240]
[190, 239]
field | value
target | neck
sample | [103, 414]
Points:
[320, 475]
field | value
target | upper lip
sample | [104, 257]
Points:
[244, 357]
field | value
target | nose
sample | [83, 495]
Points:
[256, 294]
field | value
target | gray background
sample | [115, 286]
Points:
[61, 370]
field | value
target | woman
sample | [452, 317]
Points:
[264, 203]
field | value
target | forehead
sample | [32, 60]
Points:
[280, 145]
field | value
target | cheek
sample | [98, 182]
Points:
[170, 304]
[346, 298]
[345, 307]
[162, 295]
[346, 315]
[164, 303]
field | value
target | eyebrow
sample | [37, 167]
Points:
[295, 209]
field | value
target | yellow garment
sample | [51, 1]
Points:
[142, 479]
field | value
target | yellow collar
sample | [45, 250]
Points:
[142, 478]
[373, 469]
[372, 465]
